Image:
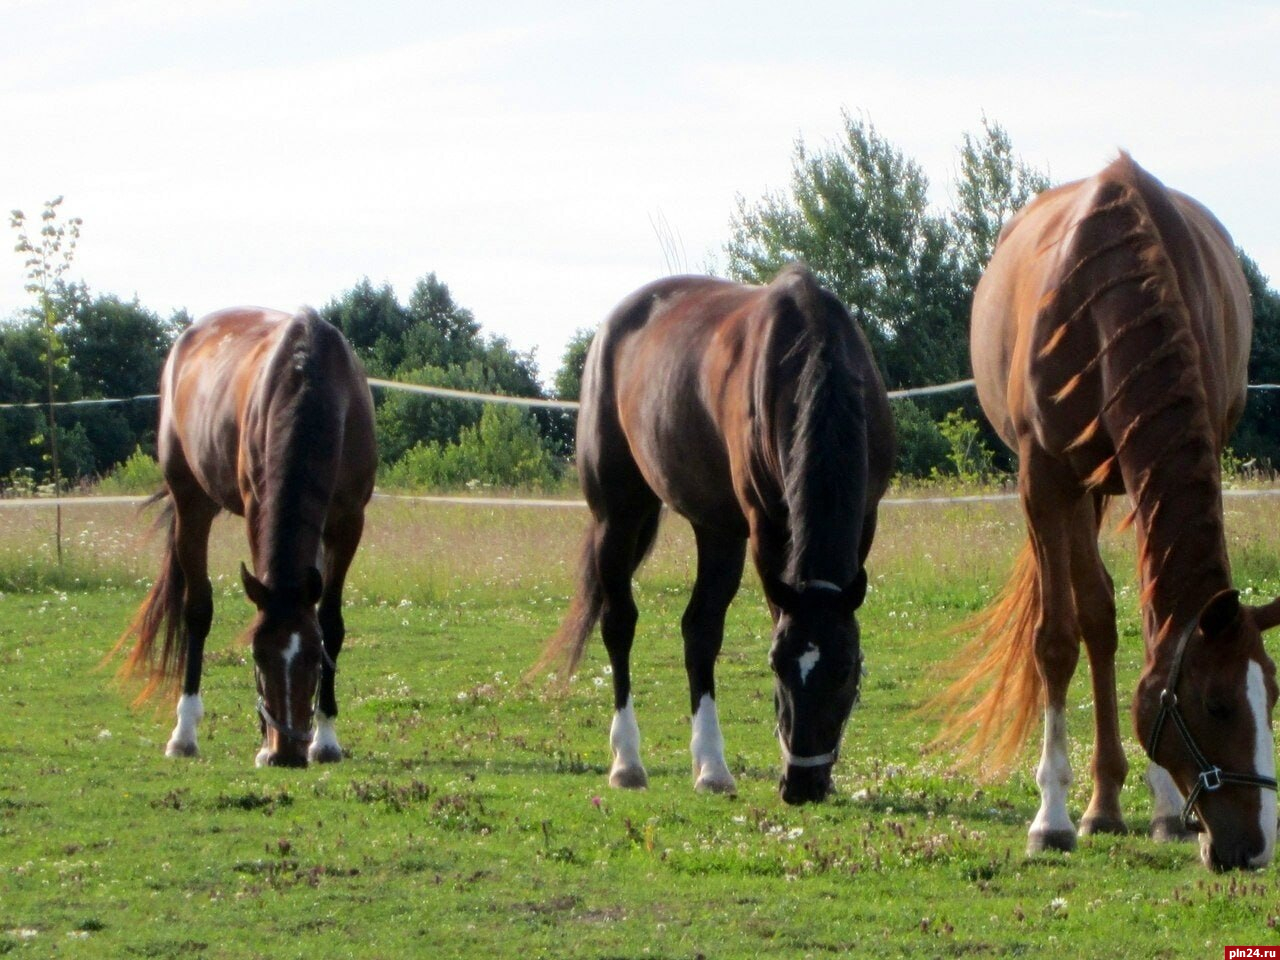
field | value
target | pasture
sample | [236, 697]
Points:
[471, 816]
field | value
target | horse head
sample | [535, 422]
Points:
[288, 653]
[816, 659]
[1205, 717]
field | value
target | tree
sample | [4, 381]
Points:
[373, 322]
[1257, 436]
[993, 185]
[568, 379]
[48, 258]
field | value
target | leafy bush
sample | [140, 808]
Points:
[504, 449]
[922, 449]
[970, 458]
[138, 474]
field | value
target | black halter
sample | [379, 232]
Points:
[1211, 777]
[292, 733]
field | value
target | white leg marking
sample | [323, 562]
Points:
[624, 739]
[325, 746]
[710, 772]
[1053, 777]
[182, 742]
[808, 660]
[261, 759]
[1166, 798]
[1264, 761]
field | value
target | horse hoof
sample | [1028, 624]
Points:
[175, 748]
[328, 753]
[1041, 841]
[1102, 824]
[708, 783]
[1170, 830]
[629, 778]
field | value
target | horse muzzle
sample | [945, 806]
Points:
[805, 784]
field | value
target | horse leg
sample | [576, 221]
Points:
[720, 561]
[1096, 611]
[1166, 807]
[193, 517]
[340, 541]
[1057, 645]
[620, 543]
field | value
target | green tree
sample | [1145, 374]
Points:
[375, 324]
[48, 258]
[568, 379]
[1258, 434]
[993, 185]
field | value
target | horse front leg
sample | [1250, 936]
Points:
[720, 561]
[340, 541]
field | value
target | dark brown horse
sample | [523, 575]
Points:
[267, 416]
[758, 414]
[1110, 341]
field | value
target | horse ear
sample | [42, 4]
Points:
[779, 594]
[313, 586]
[856, 592]
[253, 587]
[1220, 612]
[1268, 615]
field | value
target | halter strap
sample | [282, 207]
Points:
[824, 585]
[292, 733]
[1211, 776]
[817, 760]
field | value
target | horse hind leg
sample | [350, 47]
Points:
[1057, 650]
[720, 562]
[620, 542]
[341, 538]
[1096, 612]
[193, 517]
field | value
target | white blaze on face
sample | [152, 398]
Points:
[1264, 760]
[290, 652]
[807, 661]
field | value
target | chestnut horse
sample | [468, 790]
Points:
[1110, 341]
[758, 414]
[267, 416]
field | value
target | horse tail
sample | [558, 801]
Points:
[160, 617]
[1003, 677]
[563, 652]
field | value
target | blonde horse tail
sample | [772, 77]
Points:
[160, 617]
[991, 710]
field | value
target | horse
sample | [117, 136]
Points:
[1110, 339]
[758, 414]
[268, 416]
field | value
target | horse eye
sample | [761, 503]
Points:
[1219, 709]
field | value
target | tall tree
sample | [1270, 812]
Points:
[993, 185]
[1258, 435]
[48, 257]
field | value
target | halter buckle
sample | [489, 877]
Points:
[1211, 779]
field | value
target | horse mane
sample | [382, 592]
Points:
[824, 464]
[304, 430]
[1163, 444]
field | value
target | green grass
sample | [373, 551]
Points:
[472, 817]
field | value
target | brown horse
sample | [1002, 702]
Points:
[1110, 340]
[757, 413]
[267, 416]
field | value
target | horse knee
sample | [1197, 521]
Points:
[1057, 653]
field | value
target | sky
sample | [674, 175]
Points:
[545, 159]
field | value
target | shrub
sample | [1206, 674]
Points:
[138, 474]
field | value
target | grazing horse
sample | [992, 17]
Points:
[758, 414]
[268, 416]
[1110, 341]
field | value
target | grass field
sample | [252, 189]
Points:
[472, 818]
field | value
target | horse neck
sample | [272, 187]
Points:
[300, 465]
[824, 465]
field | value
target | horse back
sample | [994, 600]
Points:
[1039, 324]
[234, 371]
